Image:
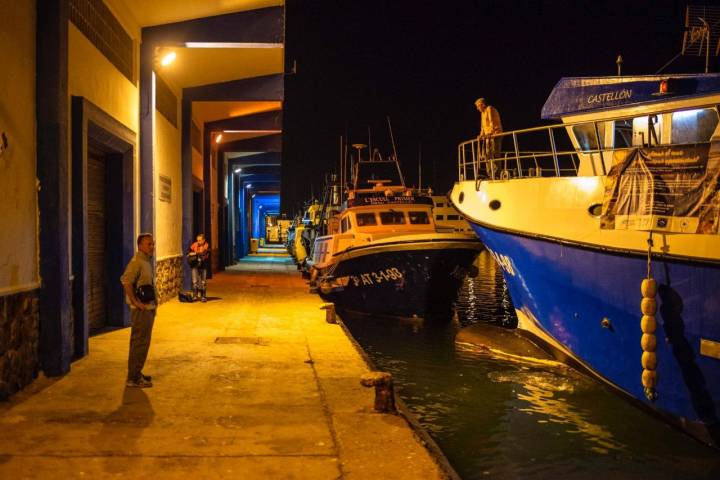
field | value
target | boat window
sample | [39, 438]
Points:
[419, 218]
[345, 224]
[647, 131]
[585, 135]
[439, 217]
[392, 218]
[693, 126]
[365, 219]
[453, 217]
[622, 134]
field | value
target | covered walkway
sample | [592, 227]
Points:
[253, 384]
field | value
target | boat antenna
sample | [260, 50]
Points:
[342, 162]
[420, 166]
[370, 150]
[395, 155]
[619, 62]
[356, 170]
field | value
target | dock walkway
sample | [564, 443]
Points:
[253, 384]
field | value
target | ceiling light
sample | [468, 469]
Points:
[232, 45]
[249, 185]
[252, 131]
[168, 58]
[238, 170]
[218, 138]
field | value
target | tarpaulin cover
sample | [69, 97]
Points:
[582, 95]
[667, 189]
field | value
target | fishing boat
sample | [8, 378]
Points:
[607, 234]
[383, 253]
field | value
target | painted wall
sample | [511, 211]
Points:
[18, 192]
[168, 163]
[197, 164]
[262, 205]
[92, 76]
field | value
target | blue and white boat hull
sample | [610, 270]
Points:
[583, 298]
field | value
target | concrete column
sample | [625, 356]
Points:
[147, 136]
[53, 170]
[187, 185]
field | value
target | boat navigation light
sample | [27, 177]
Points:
[663, 86]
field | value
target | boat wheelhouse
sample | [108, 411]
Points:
[384, 255]
[580, 214]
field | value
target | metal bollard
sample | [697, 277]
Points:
[384, 391]
[329, 312]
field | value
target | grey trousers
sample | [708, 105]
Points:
[199, 277]
[141, 331]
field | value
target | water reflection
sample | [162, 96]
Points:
[511, 418]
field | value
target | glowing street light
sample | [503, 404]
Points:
[168, 58]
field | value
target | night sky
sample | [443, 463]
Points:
[423, 64]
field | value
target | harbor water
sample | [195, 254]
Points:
[510, 417]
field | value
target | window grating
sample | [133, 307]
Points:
[103, 30]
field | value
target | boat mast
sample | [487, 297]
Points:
[358, 147]
[419, 166]
[397, 161]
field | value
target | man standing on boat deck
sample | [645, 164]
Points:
[489, 125]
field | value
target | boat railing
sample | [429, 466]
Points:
[545, 151]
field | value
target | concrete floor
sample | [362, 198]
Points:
[251, 385]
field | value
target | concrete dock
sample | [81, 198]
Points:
[253, 384]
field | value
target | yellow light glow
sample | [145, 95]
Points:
[218, 138]
[586, 184]
[168, 58]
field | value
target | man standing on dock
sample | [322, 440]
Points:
[489, 125]
[138, 281]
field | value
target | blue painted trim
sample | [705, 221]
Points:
[582, 95]
[569, 290]
[267, 143]
[260, 121]
[263, 88]
[261, 25]
[147, 137]
[53, 171]
[187, 188]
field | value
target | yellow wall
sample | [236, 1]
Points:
[92, 76]
[168, 163]
[197, 164]
[18, 192]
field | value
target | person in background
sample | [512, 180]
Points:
[490, 125]
[138, 281]
[201, 251]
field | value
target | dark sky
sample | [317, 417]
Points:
[423, 63]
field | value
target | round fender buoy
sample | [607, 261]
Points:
[648, 324]
[648, 288]
[649, 378]
[648, 306]
[649, 360]
[648, 342]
